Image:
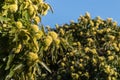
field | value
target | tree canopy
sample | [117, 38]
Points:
[88, 49]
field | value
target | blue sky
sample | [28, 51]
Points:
[66, 10]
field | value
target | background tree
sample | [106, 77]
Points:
[88, 50]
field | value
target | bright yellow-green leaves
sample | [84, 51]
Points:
[19, 24]
[53, 34]
[48, 40]
[31, 10]
[32, 56]
[52, 37]
[87, 15]
[39, 34]
[57, 41]
[45, 7]
[22, 37]
[37, 19]
[17, 49]
[13, 7]
[34, 27]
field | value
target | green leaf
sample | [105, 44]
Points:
[18, 67]
[10, 59]
[15, 38]
[22, 76]
[38, 69]
[13, 69]
[26, 15]
[4, 18]
[5, 12]
[1, 65]
[10, 75]
[51, 8]
[53, 53]
[41, 52]
[44, 65]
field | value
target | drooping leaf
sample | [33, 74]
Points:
[44, 65]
